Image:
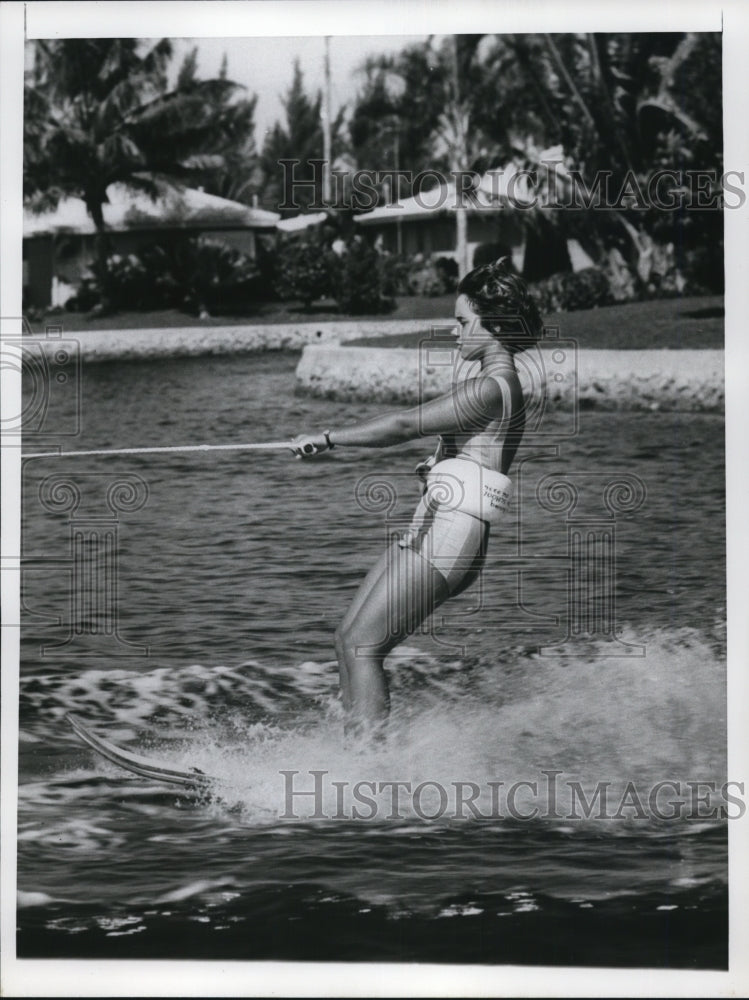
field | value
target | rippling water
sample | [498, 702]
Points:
[229, 574]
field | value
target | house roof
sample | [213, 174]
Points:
[505, 187]
[433, 202]
[128, 209]
[298, 222]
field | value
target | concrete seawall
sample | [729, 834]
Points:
[146, 344]
[688, 380]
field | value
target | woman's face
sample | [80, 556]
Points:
[472, 337]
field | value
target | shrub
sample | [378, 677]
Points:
[264, 285]
[447, 268]
[664, 279]
[87, 295]
[571, 290]
[438, 276]
[207, 275]
[164, 283]
[199, 274]
[622, 279]
[305, 267]
[396, 271]
[362, 285]
[129, 283]
[703, 270]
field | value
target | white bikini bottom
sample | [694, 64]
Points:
[451, 525]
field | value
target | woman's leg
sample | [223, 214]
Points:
[359, 598]
[365, 588]
[400, 591]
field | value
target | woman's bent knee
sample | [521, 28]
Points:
[345, 642]
[352, 644]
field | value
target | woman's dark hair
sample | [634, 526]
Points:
[505, 305]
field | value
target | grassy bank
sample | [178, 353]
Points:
[664, 323]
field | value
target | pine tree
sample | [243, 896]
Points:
[300, 138]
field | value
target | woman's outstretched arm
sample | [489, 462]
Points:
[467, 408]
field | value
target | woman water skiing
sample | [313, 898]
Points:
[480, 423]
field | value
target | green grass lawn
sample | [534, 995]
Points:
[672, 323]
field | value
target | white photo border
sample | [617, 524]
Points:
[378, 17]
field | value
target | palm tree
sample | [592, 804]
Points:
[100, 111]
[233, 169]
[426, 91]
[630, 104]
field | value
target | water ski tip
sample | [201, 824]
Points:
[145, 767]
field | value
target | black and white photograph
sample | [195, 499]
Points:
[372, 526]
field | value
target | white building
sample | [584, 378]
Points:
[58, 246]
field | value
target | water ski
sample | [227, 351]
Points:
[192, 779]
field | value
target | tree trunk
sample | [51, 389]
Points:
[459, 163]
[562, 70]
[101, 244]
[461, 240]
